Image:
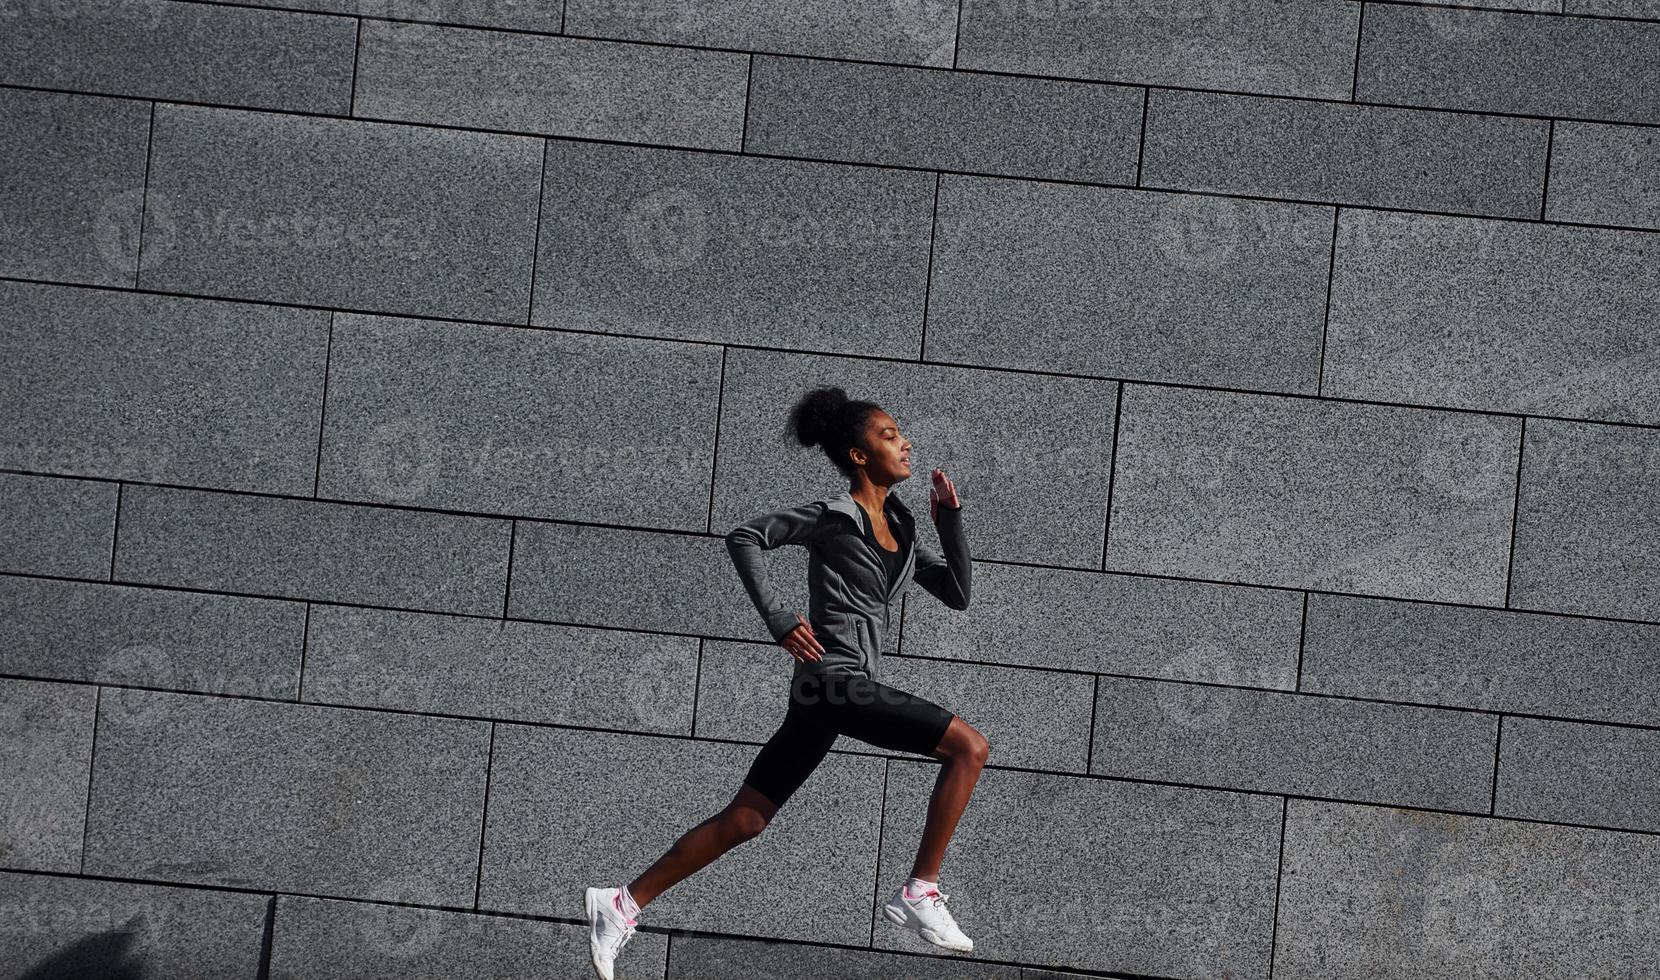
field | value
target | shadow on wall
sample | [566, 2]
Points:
[103, 956]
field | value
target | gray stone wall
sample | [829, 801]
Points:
[380, 377]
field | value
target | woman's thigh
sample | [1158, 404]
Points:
[789, 756]
[876, 713]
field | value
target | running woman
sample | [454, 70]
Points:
[863, 551]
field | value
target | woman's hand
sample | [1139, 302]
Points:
[801, 643]
[942, 493]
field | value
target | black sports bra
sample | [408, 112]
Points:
[893, 560]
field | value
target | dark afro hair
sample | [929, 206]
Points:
[827, 417]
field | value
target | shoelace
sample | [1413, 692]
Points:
[622, 938]
[939, 899]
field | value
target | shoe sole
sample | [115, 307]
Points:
[903, 918]
[588, 901]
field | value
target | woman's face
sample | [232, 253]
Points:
[888, 459]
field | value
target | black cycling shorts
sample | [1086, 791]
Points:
[824, 705]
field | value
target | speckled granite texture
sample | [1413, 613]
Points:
[379, 378]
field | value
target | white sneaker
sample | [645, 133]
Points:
[608, 931]
[928, 917]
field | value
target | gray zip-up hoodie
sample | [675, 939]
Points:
[850, 603]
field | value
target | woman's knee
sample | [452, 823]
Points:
[746, 822]
[749, 813]
[964, 742]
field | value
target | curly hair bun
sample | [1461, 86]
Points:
[827, 418]
[816, 414]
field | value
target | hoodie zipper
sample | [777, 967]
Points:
[887, 578]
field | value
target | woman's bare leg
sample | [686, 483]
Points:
[963, 750]
[746, 816]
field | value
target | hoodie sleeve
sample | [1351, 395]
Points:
[947, 578]
[792, 525]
